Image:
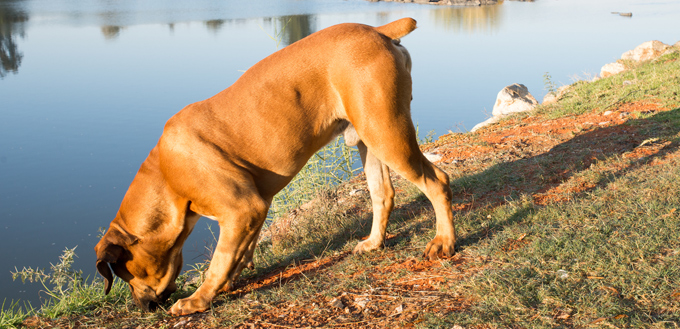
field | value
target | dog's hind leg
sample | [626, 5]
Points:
[401, 153]
[382, 198]
[382, 119]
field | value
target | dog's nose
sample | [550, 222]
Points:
[151, 306]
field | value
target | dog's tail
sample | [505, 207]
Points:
[398, 29]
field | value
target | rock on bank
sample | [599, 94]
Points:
[446, 2]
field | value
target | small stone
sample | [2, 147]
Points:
[355, 192]
[361, 301]
[608, 113]
[337, 303]
[562, 274]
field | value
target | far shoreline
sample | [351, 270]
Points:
[466, 3]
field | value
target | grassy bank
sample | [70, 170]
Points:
[567, 216]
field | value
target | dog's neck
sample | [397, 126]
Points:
[144, 212]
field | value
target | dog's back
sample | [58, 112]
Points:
[308, 88]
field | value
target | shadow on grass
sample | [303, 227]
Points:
[545, 172]
[490, 188]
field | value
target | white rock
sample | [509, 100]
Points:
[646, 51]
[485, 123]
[553, 97]
[512, 99]
[611, 69]
[432, 157]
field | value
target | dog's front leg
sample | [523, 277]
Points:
[238, 229]
[246, 262]
[382, 198]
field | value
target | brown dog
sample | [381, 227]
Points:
[226, 157]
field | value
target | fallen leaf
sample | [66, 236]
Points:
[620, 316]
[598, 320]
[612, 289]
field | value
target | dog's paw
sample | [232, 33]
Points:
[440, 247]
[189, 305]
[367, 245]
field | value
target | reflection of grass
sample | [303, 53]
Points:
[468, 19]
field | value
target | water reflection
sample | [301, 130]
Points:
[286, 29]
[12, 25]
[469, 19]
[296, 27]
[111, 32]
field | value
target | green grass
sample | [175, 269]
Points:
[655, 79]
[13, 314]
[618, 245]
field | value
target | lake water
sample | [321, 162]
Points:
[86, 87]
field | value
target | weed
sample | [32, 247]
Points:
[549, 85]
[61, 276]
[429, 138]
[68, 292]
[278, 35]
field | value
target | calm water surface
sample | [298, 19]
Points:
[86, 87]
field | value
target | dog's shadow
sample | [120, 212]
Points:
[544, 172]
[503, 181]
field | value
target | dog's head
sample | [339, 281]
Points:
[150, 268]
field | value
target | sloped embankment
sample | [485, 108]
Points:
[566, 216]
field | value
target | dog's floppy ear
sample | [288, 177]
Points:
[109, 249]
